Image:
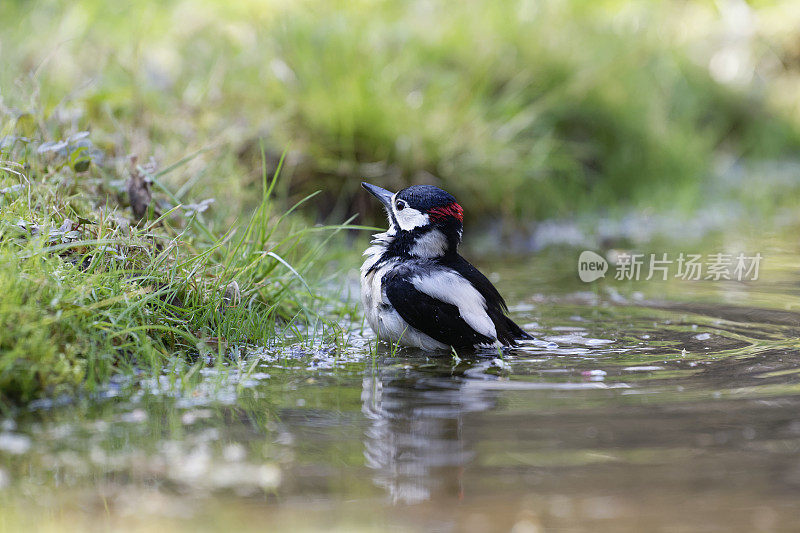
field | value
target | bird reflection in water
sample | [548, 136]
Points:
[418, 442]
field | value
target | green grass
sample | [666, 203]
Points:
[88, 292]
[523, 110]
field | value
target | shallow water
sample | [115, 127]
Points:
[643, 406]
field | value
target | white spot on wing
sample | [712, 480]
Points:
[449, 287]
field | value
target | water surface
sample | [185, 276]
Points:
[650, 406]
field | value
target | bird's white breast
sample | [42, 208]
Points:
[381, 316]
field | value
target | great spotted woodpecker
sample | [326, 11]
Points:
[417, 290]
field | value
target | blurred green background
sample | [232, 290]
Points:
[525, 110]
[590, 123]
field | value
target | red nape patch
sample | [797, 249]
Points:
[450, 210]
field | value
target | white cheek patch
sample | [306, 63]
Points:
[409, 218]
[451, 288]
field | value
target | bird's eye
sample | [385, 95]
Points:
[400, 205]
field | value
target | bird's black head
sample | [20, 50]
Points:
[424, 220]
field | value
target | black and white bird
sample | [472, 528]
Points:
[417, 290]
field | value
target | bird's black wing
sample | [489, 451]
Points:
[437, 319]
[507, 330]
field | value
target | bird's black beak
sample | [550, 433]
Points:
[381, 194]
